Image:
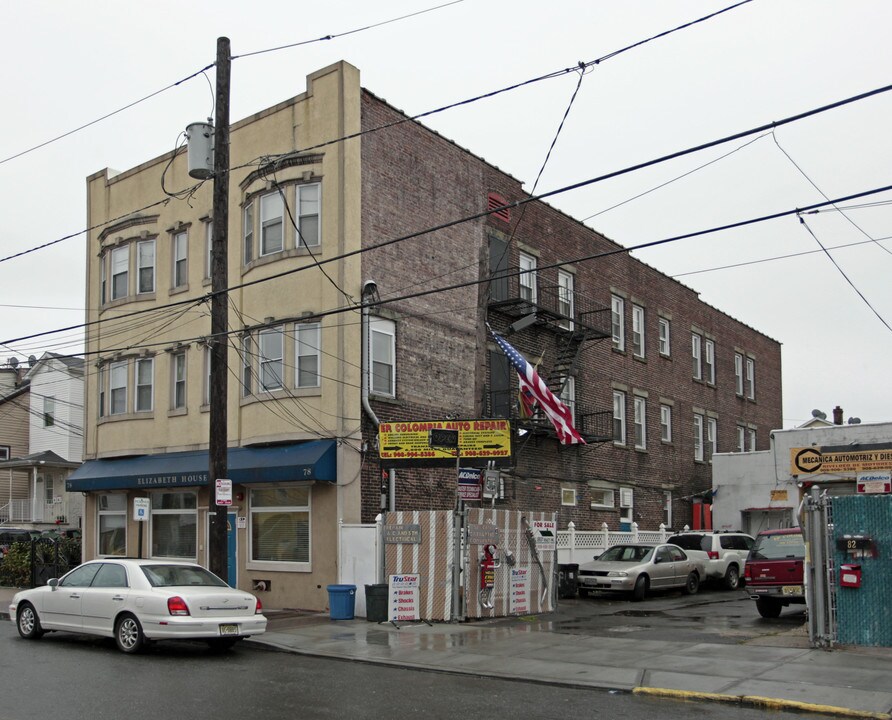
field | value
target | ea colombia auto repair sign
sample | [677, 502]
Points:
[406, 444]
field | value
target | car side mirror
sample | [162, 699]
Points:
[53, 583]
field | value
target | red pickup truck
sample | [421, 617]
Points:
[774, 570]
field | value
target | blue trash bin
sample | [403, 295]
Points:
[341, 601]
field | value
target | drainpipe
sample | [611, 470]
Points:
[369, 294]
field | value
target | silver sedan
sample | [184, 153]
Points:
[640, 568]
[138, 601]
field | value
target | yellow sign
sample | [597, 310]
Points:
[809, 460]
[778, 495]
[477, 439]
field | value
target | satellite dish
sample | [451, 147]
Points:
[31, 360]
[854, 421]
[13, 362]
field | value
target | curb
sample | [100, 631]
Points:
[765, 703]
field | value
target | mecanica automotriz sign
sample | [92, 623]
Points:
[810, 460]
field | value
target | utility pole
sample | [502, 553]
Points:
[219, 344]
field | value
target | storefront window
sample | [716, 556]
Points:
[112, 524]
[174, 524]
[280, 525]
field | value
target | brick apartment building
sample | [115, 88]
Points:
[356, 297]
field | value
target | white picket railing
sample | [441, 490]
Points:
[580, 546]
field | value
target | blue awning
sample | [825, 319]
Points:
[313, 460]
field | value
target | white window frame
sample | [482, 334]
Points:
[752, 439]
[100, 380]
[638, 339]
[178, 380]
[619, 417]
[247, 377]
[626, 505]
[750, 378]
[180, 258]
[5, 451]
[248, 232]
[300, 509]
[305, 211]
[709, 361]
[138, 404]
[307, 346]
[120, 268]
[566, 299]
[667, 508]
[665, 337]
[385, 331]
[158, 512]
[117, 372]
[741, 438]
[271, 359]
[640, 420]
[119, 513]
[602, 498]
[568, 497]
[666, 423]
[568, 396]
[696, 356]
[49, 411]
[617, 322]
[738, 373]
[526, 279]
[269, 203]
[712, 437]
[145, 260]
[698, 437]
[103, 280]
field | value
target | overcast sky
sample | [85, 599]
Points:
[68, 64]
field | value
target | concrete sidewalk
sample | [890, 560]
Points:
[781, 672]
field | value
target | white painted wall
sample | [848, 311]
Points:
[52, 378]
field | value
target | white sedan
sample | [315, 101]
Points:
[137, 601]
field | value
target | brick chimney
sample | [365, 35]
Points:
[837, 415]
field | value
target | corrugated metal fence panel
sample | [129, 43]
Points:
[513, 538]
[862, 613]
[432, 559]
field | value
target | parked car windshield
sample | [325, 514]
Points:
[176, 575]
[627, 553]
[778, 547]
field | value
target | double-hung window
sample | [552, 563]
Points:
[709, 361]
[145, 373]
[247, 366]
[101, 378]
[178, 380]
[619, 417]
[280, 525]
[666, 423]
[180, 259]
[383, 355]
[665, 341]
[698, 437]
[271, 224]
[752, 434]
[145, 266]
[308, 355]
[566, 299]
[568, 396]
[308, 226]
[638, 331]
[751, 378]
[738, 373]
[120, 272]
[527, 278]
[117, 388]
[248, 229]
[617, 322]
[640, 408]
[712, 433]
[696, 356]
[741, 438]
[49, 412]
[272, 346]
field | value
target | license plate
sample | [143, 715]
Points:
[229, 629]
[792, 590]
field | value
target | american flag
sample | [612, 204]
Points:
[536, 391]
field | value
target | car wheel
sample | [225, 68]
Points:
[732, 578]
[222, 644]
[128, 634]
[27, 622]
[768, 608]
[640, 591]
[692, 584]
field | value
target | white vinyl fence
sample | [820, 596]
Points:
[580, 546]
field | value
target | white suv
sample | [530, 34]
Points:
[723, 553]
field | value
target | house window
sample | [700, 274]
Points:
[4, 452]
[752, 435]
[100, 379]
[308, 355]
[602, 498]
[751, 378]
[178, 380]
[49, 411]
[145, 270]
[619, 417]
[145, 373]
[174, 523]
[271, 225]
[308, 215]
[638, 331]
[617, 309]
[640, 409]
[118, 388]
[112, 524]
[248, 223]
[568, 497]
[696, 341]
[180, 260]
[712, 434]
[738, 373]
[566, 300]
[709, 362]
[120, 272]
[698, 437]
[741, 439]
[667, 508]
[626, 505]
[247, 366]
[666, 423]
[568, 396]
[527, 278]
[48, 489]
[103, 280]
[663, 324]
[383, 355]
[272, 346]
[280, 525]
